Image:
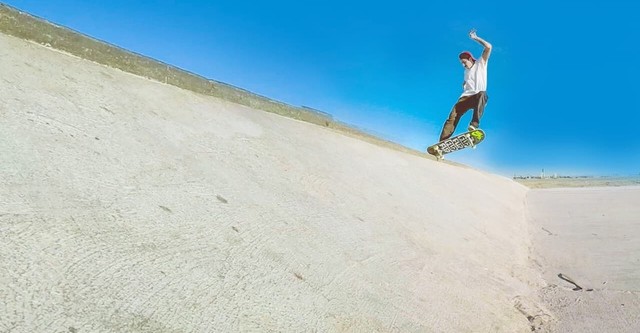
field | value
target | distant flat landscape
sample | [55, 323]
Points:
[578, 182]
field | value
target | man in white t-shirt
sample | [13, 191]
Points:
[474, 95]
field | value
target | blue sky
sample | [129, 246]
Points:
[563, 76]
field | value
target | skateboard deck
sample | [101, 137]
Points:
[458, 142]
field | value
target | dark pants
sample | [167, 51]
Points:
[476, 102]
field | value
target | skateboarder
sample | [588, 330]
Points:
[474, 95]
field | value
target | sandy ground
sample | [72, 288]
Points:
[128, 205]
[590, 236]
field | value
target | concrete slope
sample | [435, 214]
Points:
[128, 205]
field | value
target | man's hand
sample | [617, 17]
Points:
[472, 34]
[487, 46]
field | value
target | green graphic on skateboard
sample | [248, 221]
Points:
[458, 142]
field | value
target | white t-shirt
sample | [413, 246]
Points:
[475, 78]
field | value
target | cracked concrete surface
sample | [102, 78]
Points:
[131, 205]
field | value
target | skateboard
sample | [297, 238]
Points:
[461, 141]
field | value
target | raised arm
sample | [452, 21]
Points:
[487, 46]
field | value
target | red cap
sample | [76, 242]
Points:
[466, 55]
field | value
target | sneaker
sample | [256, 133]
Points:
[471, 128]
